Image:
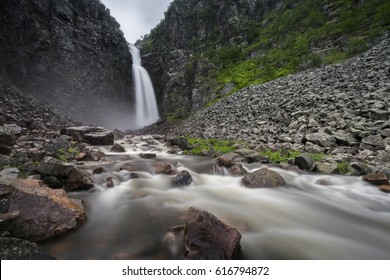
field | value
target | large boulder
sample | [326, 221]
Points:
[263, 178]
[18, 249]
[208, 238]
[43, 212]
[90, 134]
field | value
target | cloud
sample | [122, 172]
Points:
[137, 17]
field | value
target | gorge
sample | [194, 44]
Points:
[297, 91]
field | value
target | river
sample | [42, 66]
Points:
[313, 217]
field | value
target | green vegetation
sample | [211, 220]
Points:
[280, 156]
[68, 154]
[277, 42]
[343, 168]
[200, 146]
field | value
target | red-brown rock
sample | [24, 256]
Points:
[164, 168]
[385, 188]
[43, 212]
[376, 179]
[208, 238]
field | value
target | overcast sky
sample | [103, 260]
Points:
[137, 17]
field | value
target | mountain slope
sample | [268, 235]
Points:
[204, 50]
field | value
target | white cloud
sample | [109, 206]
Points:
[137, 17]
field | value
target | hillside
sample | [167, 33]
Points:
[205, 50]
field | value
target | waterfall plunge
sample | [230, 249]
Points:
[145, 100]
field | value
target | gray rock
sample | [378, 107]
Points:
[326, 168]
[90, 134]
[10, 172]
[7, 137]
[263, 178]
[373, 143]
[54, 167]
[117, 148]
[322, 139]
[18, 249]
[183, 178]
[305, 162]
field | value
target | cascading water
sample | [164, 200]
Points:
[145, 99]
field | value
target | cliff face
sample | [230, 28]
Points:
[69, 53]
[204, 50]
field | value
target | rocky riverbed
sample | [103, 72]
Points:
[341, 110]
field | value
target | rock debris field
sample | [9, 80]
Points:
[341, 110]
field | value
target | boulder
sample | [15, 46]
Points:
[305, 162]
[183, 178]
[164, 168]
[90, 134]
[376, 179]
[385, 188]
[372, 143]
[181, 142]
[251, 156]
[117, 148]
[98, 170]
[56, 146]
[263, 178]
[208, 238]
[43, 212]
[322, 139]
[18, 249]
[230, 159]
[7, 137]
[78, 180]
[237, 170]
[54, 167]
[359, 169]
[147, 155]
[326, 168]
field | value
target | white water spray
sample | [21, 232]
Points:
[145, 99]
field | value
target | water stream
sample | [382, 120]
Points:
[314, 217]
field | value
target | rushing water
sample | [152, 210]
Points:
[314, 217]
[145, 99]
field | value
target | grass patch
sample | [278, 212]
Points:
[343, 168]
[200, 146]
[280, 156]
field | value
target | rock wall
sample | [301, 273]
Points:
[189, 27]
[341, 109]
[203, 50]
[69, 53]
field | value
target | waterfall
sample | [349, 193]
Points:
[145, 99]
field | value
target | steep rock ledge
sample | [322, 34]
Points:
[69, 53]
